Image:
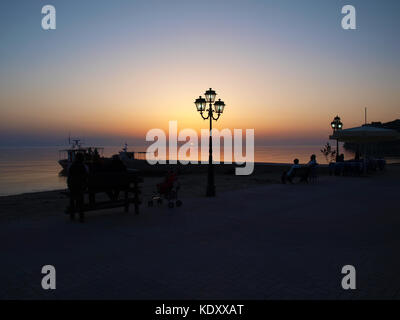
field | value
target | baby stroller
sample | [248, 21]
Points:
[168, 190]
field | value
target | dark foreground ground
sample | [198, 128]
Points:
[266, 241]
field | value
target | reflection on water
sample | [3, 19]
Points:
[32, 169]
[36, 169]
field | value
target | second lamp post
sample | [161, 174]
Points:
[214, 107]
[337, 125]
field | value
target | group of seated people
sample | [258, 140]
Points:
[80, 166]
[355, 167]
[304, 172]
[78, 175]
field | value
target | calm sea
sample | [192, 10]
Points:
[36, 169]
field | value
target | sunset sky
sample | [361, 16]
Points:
[112, 70]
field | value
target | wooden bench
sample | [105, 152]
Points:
[121, 188]
[303, 174]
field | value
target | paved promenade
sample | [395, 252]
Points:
[266, 242]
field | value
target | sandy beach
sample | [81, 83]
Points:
[258, 239]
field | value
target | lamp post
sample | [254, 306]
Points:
[337, 125]
[214, 107]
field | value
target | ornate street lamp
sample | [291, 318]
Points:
[214, 107]
[337, 125]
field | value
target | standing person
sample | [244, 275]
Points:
[77, 182]
[96, 155]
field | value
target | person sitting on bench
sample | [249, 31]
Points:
[313, 161]
[311, 169]
[289, 175]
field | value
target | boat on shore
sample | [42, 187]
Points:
[137, 160]
[133, 160]
[95, 156]
[91, 154]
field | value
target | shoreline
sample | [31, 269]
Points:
[194, 170]
[264, 168]
[193, 185]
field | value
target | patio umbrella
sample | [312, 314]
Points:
[364, 135]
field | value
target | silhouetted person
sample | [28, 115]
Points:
[90, 154]
[313, 161]
[96, 155]
[77, 182]
[117, 166]
[311, 169]
[289, 175]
